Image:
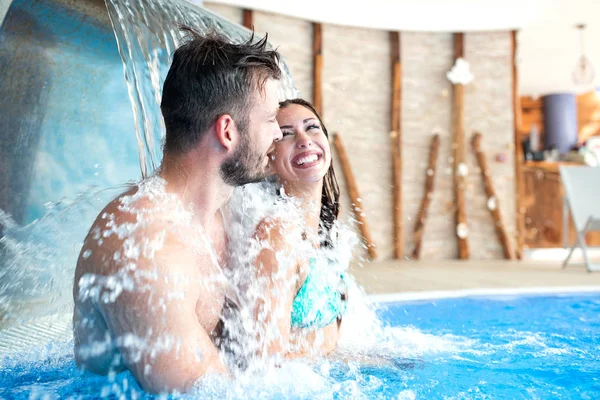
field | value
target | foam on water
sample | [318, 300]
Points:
[50, 373]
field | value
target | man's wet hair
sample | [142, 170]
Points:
[211, 76]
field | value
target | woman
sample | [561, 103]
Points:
[303, 286]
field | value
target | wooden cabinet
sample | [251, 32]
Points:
[541, 192]
[542, 199]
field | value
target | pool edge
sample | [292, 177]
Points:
[474, 292]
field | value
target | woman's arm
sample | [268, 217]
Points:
[277, 275]
[316, 343]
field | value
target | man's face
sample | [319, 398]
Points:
[250, 160]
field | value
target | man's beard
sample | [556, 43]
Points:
[244, 166]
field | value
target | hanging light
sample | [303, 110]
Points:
[583, 73]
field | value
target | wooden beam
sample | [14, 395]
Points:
[355, 198]
[317, 68]
[429, 186]
[248, 19]
[519, 157]
[396, 144]
[493, 202]
[459, 45]
[458, 144]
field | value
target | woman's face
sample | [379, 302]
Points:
[303, 154]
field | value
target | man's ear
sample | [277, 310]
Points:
[226, 132]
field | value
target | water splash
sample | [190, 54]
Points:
[38, 259]
[41, 256]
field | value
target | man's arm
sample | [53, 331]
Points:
[156, 326]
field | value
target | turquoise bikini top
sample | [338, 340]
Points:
[320, 300]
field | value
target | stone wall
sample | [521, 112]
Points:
[427, 110]
[357, 103]
[489, 110]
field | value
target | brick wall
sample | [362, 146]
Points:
[356, 103]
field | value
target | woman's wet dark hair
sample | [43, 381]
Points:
[330, 199]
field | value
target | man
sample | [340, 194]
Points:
[148, 287]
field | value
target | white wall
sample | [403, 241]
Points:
[549, 46]
[548, 41]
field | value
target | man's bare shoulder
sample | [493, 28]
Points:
[139, 231]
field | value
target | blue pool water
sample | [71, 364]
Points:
[530, 347]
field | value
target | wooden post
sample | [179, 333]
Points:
[248, 19]
[493, 202]
[317, 68]
[429, 186]
[462, 230]
[396, 137]
[354, 196]
[519, 158]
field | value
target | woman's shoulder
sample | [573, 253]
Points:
[278, 229]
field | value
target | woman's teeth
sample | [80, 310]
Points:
[307, 159]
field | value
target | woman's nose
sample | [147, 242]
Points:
[303, 140]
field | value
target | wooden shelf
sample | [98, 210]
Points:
[548, 166]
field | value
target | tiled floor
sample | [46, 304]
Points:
[413, 276]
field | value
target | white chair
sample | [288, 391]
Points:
[582, 199]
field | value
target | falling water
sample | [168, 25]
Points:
[147, 34]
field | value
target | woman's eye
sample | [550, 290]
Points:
[286, 133]
[311, 127]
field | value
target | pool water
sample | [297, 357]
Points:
[530, 347]
[536, 347]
